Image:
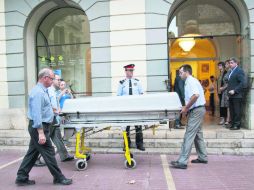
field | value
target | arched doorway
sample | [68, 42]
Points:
[63, 44]
[213, 31]
[51, 27]
[201, 57]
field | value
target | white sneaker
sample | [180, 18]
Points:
[222, 121]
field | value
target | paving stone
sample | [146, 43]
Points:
[175, 133]
[2, 141]
[14, 133]
[168, 143]
[224, 143]
[230, 135]
[210, 134]
[15, 141]
[215, 151]
[249, 134]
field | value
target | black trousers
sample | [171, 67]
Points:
[47, 152]
[223, 110]
[56, 137]
[212, 103]
[235, 108]
[139, 135]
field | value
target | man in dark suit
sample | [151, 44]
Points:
[179, 89]
[235, 92]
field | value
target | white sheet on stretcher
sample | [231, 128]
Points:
[136, 103]
[148, 109]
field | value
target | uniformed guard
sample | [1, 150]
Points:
[131, 86]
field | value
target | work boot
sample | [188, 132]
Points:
[139, 138]
[141, 147]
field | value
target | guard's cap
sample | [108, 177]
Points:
[130, 66]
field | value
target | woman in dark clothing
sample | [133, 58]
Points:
[224, 99]
[220, 83]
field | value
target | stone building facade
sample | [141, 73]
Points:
[120, 32]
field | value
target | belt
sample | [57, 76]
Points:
[196, 107]
[43, 123]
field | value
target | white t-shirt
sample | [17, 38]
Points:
[192, 86]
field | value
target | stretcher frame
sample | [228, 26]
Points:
[86, 123]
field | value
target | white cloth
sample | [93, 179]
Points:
[192, 86]
[232, 72]
[53, 98]
[123, 88]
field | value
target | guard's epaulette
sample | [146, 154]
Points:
[136, 79]
[122, 81]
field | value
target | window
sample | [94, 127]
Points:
[63, 43]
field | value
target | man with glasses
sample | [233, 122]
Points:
[235, 93]
[131, 86]
[195, 110]
[55, 132]
[40, 115]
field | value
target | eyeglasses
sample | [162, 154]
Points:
[131, 70]
[57, 79]
[181, 72]
[50, 78]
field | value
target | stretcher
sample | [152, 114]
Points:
[91, 115]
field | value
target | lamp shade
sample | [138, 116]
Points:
[187, 43]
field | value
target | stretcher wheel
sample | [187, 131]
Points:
[81, 165]
[132, 166]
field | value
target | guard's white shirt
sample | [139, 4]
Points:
[123, 88]
[192, 86]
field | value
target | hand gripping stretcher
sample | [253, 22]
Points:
[94, 114]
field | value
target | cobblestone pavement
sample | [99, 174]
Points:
[107, 172]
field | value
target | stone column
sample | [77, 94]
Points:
[128, 40]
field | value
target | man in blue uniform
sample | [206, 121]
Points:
[131, 86]
[40, 115]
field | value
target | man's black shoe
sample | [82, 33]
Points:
[69, 158]
[141, 147]
[179, 165]
[25, 183]
[62, 181]
[173, 163]
[234, 128]
[197, 161]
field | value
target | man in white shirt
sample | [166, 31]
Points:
[195, 110]
[55, 132]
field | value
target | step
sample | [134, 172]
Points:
[219, 141]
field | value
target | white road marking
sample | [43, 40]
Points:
[167, 173]
[10, 163]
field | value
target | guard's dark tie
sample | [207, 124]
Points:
[130, 88]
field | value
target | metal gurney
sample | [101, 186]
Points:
[93, 114]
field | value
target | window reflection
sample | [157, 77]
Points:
[63, 43]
